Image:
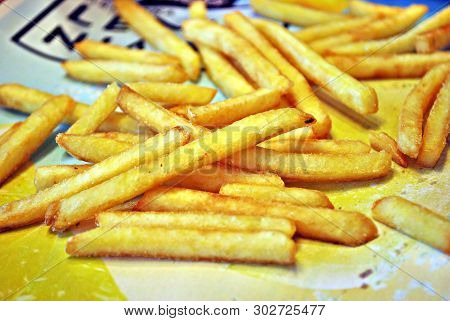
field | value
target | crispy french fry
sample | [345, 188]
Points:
[97, 113]
[389, 66]
[223, 74]
[414, 220]
[174, 94]
[325, 5]
[315, 167]
[382, 141]
[27, 138]
[197, 10]
[433, 40]
[147, 26]
[349, 228]
[33, 208]
[292, 13]
[244, 54]
[121, 137]
[91, 49]
[183, 244]
[47, 176]
[365, 8]
[300, 94]
[197, 220]
[319, 146]
[415, 107]
[436, 128]
[105, 71]
[6, 135]
[209, 148]
[361, 98]
[27, 100]
[230, 110]
[293, 195]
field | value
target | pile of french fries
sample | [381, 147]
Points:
[175, 175]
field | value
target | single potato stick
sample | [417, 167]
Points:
[106, 71]
[197, 10]
[389, 66]
[30, 135]
[5, 136]
[243, 53]
[292, 13]
[27, 100]
[365, 8]
[47, 176]
[315, 167]
[382, 141]
[121, 137]
[293, 195]
[185, 244]
[33, 208]
[360, 98]
[91, 49]
[174, 94]
[433, 40]
[436, 128]
[319, 146]
[348, 228]
[147, 26]
[414, 220]
[223, 74]
[210, 148]
[416, 105]
[196, 220]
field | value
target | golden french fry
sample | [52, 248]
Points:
[365, 8]
[147, 26]
[244, 54]
[349, 228]
[293, 195]
[292, 137]
[5, 136]
[47, 176]
[325, 5]
[27, 100]
[414, 220]
[91, 49]
[436, 128]
[315, 167]
[184, 244]
[105, 71]
[389, 66]
[196, 220]
[300, 94]
[361, 98]
[209, 148]
[319, 146]
[121, 137]
[415, 107]
[33, 208]
[223, 74]
[433, 40]
[197, 10]
[382, 141]
[27, 138]
[174, 94]
[292, 13]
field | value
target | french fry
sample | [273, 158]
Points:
[319, 146]
[106, 71]
[414, 220]
[292, 13]
[230, 110]
[382, 141]
[223, 74]
[365, 8]
[196, 220]
[436, 128]
[289, 138]
[415, 107]
[315, 167]
[121, 137]
[325, 5]
[433, 40]
[27, 100]
[174, 94]
[91, 49]
[97, 113]
[30, 135]
[349, 228]
[361, 98]
[197, 10]
[300, 94]
[33, 208]
[5, 136]
[243, 53]
[389, 66]
[183, 244]
[147, 26]
[47, 176]
[292, 195]
[209, 148]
